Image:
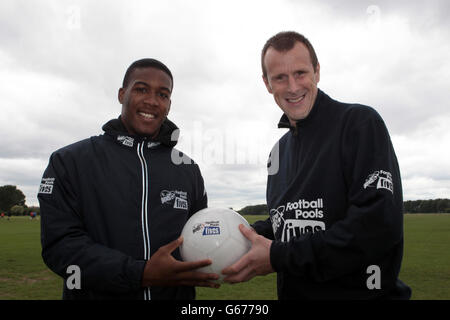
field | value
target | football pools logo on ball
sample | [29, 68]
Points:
[213, 233]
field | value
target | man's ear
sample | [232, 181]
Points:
[168, 108]
[120, 95]
[317, 73]
[266, 82]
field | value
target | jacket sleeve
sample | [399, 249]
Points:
[373, 222]
[264, 228]
[65, 241]
[201, 197]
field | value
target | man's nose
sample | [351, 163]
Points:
[293, 84]
[151, 99]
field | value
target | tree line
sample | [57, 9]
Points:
[410, 206]
[427, 206]
[12, 201]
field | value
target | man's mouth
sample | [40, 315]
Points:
[147, 115]
[296, 100]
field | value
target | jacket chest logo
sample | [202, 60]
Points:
[297, 218]
[126, 141]
[176, 198]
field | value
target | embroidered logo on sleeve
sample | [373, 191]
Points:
[46, 186]
[381, 180]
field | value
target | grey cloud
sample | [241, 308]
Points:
[216, 70]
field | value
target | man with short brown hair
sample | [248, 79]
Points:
[335, 229]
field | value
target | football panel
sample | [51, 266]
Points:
[190, 252]
[230, 252]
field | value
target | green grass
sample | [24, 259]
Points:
[425, 268]
[426, 262]
[23, 274]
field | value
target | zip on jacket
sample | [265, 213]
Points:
[144, 205]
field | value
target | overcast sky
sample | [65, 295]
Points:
[62, 63]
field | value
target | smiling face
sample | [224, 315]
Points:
[292, 80]
[145, 101]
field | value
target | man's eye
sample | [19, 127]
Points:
[163, 95]
[141, 89]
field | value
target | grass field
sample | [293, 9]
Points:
[426, 263]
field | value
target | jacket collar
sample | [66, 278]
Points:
[284, 120]
[168, 134]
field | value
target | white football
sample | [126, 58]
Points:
[213, 233]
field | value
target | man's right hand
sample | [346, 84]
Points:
[164, 270]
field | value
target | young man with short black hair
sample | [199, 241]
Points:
[102, 203]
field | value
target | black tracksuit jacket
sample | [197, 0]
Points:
[108, 203]
[335, 199]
